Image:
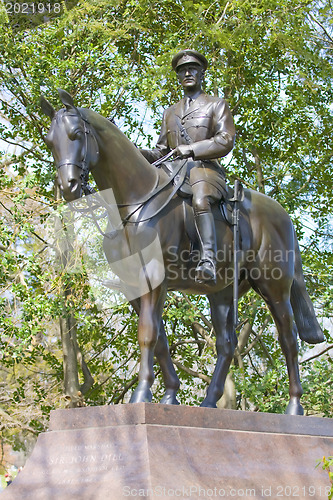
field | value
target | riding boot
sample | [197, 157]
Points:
[206, 269]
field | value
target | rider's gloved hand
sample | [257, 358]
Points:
[183, 151]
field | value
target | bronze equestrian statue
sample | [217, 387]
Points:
[199, 128]
[82, 141]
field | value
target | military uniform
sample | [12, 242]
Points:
[204, 125]
[208, 127]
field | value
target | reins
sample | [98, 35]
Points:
[139, 205]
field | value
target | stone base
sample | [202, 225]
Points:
[159, 451]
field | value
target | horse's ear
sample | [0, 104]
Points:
[47, 107]
[66, 99]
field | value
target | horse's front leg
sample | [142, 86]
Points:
[170, 377]
[151, 307]
[162, 353]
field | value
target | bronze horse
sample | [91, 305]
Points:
[82, 141]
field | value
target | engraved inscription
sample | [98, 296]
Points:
[78, 459]
[88, 447]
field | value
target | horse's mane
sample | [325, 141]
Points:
[112, 134]
[106, 128]
[98, 121]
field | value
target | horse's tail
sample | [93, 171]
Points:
[307, 324]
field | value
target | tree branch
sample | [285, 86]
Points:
[260, 177]
[322, 27]
[17, 423]
[203, 377]
[202, 317]
[10, 161]
[126, 389]
[317, 355]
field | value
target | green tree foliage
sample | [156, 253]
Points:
[272, 60]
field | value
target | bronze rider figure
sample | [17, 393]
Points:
[201, 129]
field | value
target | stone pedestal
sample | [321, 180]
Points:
[158, 451]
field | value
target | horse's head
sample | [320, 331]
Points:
[73, 145]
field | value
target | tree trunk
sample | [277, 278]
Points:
[228, 400]
[72, 355]
[260, 176]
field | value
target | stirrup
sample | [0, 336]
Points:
[206, 271]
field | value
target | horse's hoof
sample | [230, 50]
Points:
[206, 404]
[294, 408]
[141, 395]
[169, 399]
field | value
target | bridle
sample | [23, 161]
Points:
[83, 164]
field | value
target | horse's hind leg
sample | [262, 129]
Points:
[162, 353]
[277, 297]
[226, 341]
[283, 316]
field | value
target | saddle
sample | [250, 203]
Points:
[224, 208]
[185, 191]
